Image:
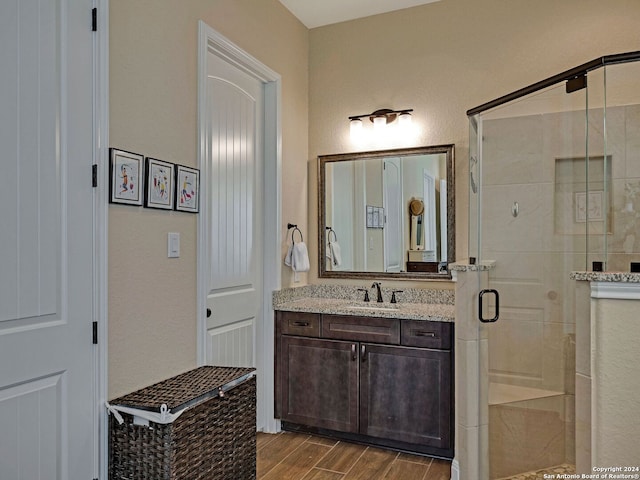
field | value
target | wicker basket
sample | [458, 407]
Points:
[213, 438]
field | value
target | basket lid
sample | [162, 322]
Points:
[186, 389]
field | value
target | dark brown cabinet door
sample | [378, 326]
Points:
[405, 394]
[319, 383]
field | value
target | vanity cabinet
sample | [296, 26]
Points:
[320, 383]
[405, 394]
[380, 381]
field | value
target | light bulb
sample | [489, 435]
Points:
[404, 119]
[379, 123]
[356, 128]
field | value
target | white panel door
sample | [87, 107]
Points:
[235, 107]
[46, 213]
[394, 215]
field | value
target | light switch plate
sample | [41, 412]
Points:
[173, 245]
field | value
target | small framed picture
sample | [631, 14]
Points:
[595, 211]
[187, 189]
[160, 184]
[375, 223]
[125, 185]
[380, 217]
[369, 216]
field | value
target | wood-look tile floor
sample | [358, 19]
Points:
[295, 456]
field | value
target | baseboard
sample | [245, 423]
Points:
[415, 449]
[455, 470]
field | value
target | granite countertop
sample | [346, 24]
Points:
[475, 267]
[434, 312]
[621, 277]
[315, 302]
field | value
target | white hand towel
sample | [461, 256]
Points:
[300, 258]
[336, 256]
[288, 257]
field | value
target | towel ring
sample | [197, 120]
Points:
[295, 229]
[335, 237]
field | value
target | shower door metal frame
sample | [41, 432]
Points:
[579, 71]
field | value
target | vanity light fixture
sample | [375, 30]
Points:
[382, 117]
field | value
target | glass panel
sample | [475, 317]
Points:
[621, 126]
[474, 180]
[593, 198]
[531, 169]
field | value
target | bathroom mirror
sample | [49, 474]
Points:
[370, 224]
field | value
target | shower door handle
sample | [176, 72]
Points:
[497, 315]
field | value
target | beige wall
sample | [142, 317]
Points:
[439, 59]
[443, 59]
[153, 108]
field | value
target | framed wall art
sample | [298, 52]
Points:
[187, 189]
[160, 184]
[375, 217]
[595, 210]
[125, 185]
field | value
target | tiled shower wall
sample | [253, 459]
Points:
[535, 251]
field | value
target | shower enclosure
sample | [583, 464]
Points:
[554, 182]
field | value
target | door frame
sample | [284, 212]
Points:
[210, 40]
[101, 233]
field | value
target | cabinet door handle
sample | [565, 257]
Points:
[354, 355]
[363, 353]
[419, 333]
[300, 324]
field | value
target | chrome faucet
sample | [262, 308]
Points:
[377, 285]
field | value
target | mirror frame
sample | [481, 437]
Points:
[449, 150]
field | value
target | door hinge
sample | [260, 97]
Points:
[95, 333]
[94, 175]
[576, 83]
[94, 20]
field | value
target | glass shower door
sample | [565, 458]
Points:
[528, 177]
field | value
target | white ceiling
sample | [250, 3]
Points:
[316, 13]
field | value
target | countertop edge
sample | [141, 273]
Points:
[618, 277]
[406, 311]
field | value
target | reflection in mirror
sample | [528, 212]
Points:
[387, 213]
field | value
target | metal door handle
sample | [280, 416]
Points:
[497, 315]
[301, 324]
[354, 355]
[208, 312]
[363, 353]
